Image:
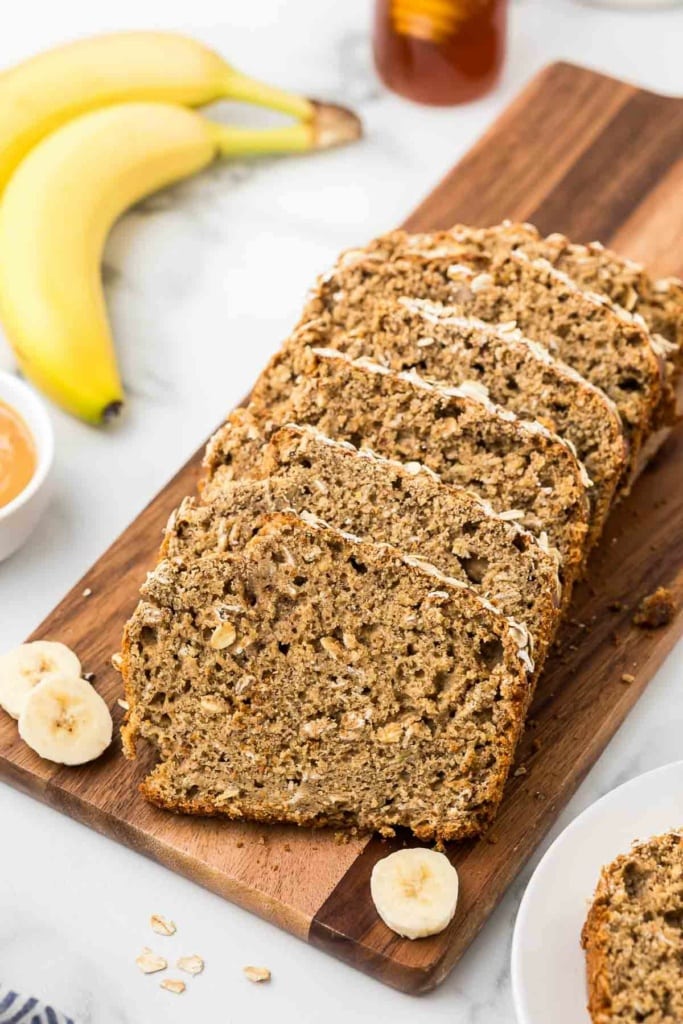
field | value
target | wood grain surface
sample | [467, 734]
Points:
[577, 152]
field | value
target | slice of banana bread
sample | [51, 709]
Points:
[521, 468]
[519, 374]
[658, 305]
[633, 936]
[320, 680]
[625, 282]
[607, 347]
[381, 500]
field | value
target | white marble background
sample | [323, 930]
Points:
[203, 283]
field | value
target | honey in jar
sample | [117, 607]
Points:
[440, 52]
[17, 454]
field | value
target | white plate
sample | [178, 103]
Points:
[548, 966]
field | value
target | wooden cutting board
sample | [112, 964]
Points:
[578, 153]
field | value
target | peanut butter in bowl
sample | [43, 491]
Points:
[18, 457]
[26, 454]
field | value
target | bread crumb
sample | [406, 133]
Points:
[519, 771]
[256, 974]
[87, 592]
[655, 610]
[161, 925]
[627, 678]
[174, 985]
[116, 661]
[123, 704]
[239, 844]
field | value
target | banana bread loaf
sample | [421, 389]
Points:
[320, 680]
[380, 500]
[609, 348]
[633, 936]
[520, 468]
[519, 374]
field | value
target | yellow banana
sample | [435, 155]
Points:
[59, 206]
[42, 93]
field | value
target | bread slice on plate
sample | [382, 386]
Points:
[466, 270]
[520, 468]
[633, 936]
[320, 680]
[446, 348]
[406, 506]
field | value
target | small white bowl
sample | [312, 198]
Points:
[19, 518]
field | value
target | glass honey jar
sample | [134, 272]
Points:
[440, 52]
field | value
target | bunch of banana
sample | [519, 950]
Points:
[86, 131]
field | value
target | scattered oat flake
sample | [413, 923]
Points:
[190, 964]
[123, 704]
[116, 661]
[149, 962]
[161, 925]
[174, 985]
[628, 678]
[257, 973]
[87, 592]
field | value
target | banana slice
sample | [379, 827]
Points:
[415, 892]
[65, 720]
[26, 666]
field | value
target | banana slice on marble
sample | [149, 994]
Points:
[65, 720]
[26, 666]
[415, 892]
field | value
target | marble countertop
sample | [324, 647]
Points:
[203, 283]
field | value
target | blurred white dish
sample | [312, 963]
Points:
[19, 518]
[548, 966]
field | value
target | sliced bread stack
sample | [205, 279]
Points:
[475, 273]
[404, 505]
[347, 624]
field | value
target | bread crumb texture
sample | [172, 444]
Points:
[656, 610]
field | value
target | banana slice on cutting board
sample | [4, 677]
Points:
[65, 720]
[415, 892]
[26, 666]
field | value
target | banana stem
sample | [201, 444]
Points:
[250, 90]
[329, 126]
[235, 142]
